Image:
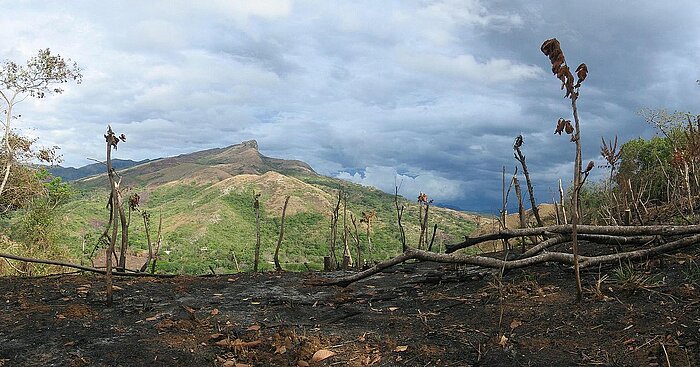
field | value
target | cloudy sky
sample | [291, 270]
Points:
[427, 93]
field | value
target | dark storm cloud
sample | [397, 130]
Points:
[427, 93]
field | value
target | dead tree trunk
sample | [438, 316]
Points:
[432, 239]
[562, 202]
[425, 222]
[146, 224]
[279, 241]
[575, 199]
[334, 231]
[521, 210]
[399, 214]
[256, 205]
[356, 237]
[367, 218]
[521, 158]
[115, 205]
[159, 239]
[124, 235]
[347, 257]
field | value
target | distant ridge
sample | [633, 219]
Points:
[211, 165]
[72, 173]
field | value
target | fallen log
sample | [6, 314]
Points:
[79, 267]
[489, 262]
[597, 238]
[545, 245]
[661, 230]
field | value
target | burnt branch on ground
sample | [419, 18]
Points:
[661, 230]
[490, 262]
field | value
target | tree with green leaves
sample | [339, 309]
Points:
[41, 76]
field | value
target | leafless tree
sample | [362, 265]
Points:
[551, 48]
[278, 267]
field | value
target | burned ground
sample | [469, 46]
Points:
[418, 314]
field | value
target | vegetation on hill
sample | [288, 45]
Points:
[213, 224]
[652, 180]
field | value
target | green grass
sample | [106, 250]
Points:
[204, 226]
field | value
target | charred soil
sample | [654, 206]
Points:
[416, 314]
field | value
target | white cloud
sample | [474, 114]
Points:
[242, 9]
[491, 71]
[385, 178]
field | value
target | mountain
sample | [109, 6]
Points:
[207, 166]
[206, 202]
[72, 173]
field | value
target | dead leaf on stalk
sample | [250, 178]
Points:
[568, 127]
[321, 355]
[561, 123]
[589, 167]
[515, 323]
[581, 72]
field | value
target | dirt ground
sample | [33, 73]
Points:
[418, 314]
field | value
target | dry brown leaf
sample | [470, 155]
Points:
[401, 348]
[214, 312]
[253, 328]
[281, 349]
[515, 323]
[321, 355]
[216, 336]
[581, 72]
[229, 363]
[568, 127]
[152, 318]
[503, 341]
[242, 365]
[302, 363]
[561, 123]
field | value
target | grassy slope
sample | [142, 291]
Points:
[207, 224]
